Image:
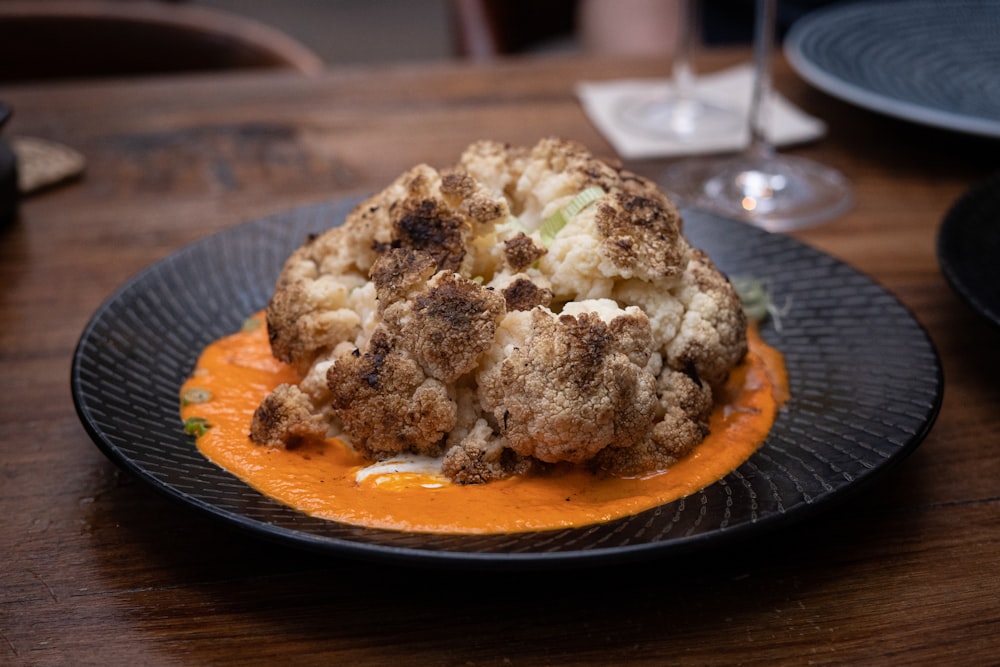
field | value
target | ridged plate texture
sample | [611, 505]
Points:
[865, 379]
[929, 61]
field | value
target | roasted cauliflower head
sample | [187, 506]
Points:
[524, 308]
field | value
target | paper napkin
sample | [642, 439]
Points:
[602, 101]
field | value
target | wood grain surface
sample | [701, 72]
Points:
[99, 569]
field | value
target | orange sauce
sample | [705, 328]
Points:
[320, 478]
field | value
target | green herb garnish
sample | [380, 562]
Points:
[250, 324]
[196, 426]
[758, 304]
[553, 224]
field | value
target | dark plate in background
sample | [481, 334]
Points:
[929, 61]
[968, 248]
[865, 379]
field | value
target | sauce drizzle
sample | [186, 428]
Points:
[321, 478]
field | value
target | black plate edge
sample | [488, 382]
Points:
[495, 560]
[952, 220]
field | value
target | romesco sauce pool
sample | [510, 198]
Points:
[321, 478]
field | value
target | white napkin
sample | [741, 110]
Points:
[785, 124]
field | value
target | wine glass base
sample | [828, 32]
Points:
[678, 118]
[777, 193]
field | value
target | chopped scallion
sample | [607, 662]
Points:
[196, 426]
[250, 324]
[553, 224]
[755, 296]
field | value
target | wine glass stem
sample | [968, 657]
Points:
[688, 28]
[763, 49]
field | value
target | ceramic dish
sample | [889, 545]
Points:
[926, 61]
[865, 379]
[968, 245]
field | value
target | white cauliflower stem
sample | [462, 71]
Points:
[521, 309]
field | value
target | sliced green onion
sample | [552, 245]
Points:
[755, 296]
[553, 224]
[250, 324]
[196, 426]
[195, 395]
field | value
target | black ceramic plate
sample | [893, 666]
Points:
[928, 61]
[968, 246]
[866, 385]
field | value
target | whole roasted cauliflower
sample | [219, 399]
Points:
[523, 308]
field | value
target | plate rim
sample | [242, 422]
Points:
[490, 559]
[865, 97]
[953, 225]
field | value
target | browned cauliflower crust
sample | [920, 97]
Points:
[565, 367]
[387, 404]
[286, 417]
[524, 308]
[447, 325]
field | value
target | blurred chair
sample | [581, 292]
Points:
[72, 39]
[487, 29]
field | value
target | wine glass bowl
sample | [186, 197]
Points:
[775, 192]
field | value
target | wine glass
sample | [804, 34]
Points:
[775, 192]
[677, 113]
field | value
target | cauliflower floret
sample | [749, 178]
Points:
[522, 291]
[286, 417]
[555, 171]
[697, 318]
[712, 334]
[386, 403]
[685, 405]
[437, 213]
[521, 251]
[629, 232]
[569, 388]
[630, 327]
[398, 395]
[309, 316]
[483, 456]
[521, 309]
[494, 164]
[664, 312]
[573, 262]
[446, 326]
[363, 301]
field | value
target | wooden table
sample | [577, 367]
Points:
[99, 569]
